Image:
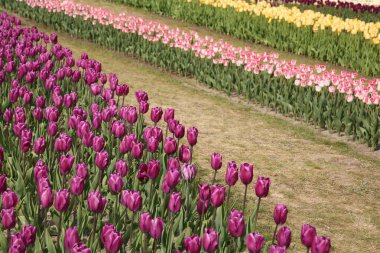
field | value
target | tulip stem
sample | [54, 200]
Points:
[92, 236]
[228, 196]
[213, 216]
[75, 218]
[100, 180]
[213, 181]
[116, 209]
[155, 246]
[307, 250]
[274, 234]
[187, 200]
[257, 212]
[145, 243]
[191, 154]
[245, 197]
[9, 238]
[131, 228]
[59, 229]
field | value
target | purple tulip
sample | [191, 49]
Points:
[52, 129]
[127, 143]
[118, 129]
[62, 200]
[210, 240]
[170, 146]
[216, 161]
[189, 171]
[143, 107]
[152, 144]
[280, 214]
[77, 185]
[175, 202]
[169, 114]
[156, 114]
[204, 191]
[192, 244]
[172, 178]
[46, 198]
[232, 173]
[39, 145]
[80, 248]
[236, 225]
[145, 222]
[262, 187]
[218, 194]
[96, 202]
[284, 237]
[8, 218]
[37, 114]
[71, 238]
[192, 136]
[321, 244]
[66, 163]
[184, 154]
[112, 241]
[137, 150]
[121, 168]
[308, 233]
[17, 244]
[202, 206]
[131, 199]
[9, 199]
[277, 249]
[156, 228]
[179, 131]
[246, 173]
[142, 174]
[98, 143]
[173, 163]
[153, 169]
[102, 160]
[255, 242]
[28, 232]
[62, 143]
[115, 183]
[81, 170]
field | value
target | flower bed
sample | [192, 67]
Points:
[84, 170]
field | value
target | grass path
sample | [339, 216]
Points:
[132, 11]
[328, 183]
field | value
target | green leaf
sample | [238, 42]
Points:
[49, 242]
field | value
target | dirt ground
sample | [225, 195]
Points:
[324, 181]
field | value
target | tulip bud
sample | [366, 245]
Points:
[236, 225]
[192, 136]
[115, 183]
[172, 178]
[66, 163]
[216, 161]
[152, 144]
[217, 195]
[210, 240]
[156, 228]
[145, 222]
[137, 150]
[62, 200]
[143, 107]
[9, 199]
[173, 163]
[246, 173]
[232, 173]
[131, 199]
[184, 154]
[77, 185]
[308, 233]
[175, 202]
[81, 170]
[321, 244]
[277, 249]
[284, 237]
[169, 114]
[280, 214]
[98, 143]
[262, 187]
[52, 128]
[255, 242]
[28, 232]
[141, 96]
[96, 202]
[102, 160]
[179, 131]
[189, 171]
[39, 145]
[153, 169]
[156, 114]
[121, 168]
[170, 146]
[204, 192]
[192, 244]
[8, 218]
[71, 238]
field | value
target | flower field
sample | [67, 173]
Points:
[75, 160]
[336, 101]
[92, 162]
[348, 42]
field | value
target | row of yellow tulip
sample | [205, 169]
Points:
[319, 21]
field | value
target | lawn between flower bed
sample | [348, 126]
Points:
[324, 108]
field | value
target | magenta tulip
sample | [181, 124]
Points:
[170, 146]
[216, 161]
[255, 242]
[218, 194]
[284, 237]
[153, 169]
[28, 232]
[156, 228]
[236, 225]
[210, 240]
[184, 154]
[39, 145]
[192, 244]
[121, 168]
[308, 233]
[9, 199]
[80, 248]
[81, 170]
[102, 160]
[142, 174]
[280, 214]
[62, 200]
[189, 171]
[115, 183]
[98, 143]
[8, 218]
[66, 163]
[246, 173]
[77, 185]
[3, 183]
[204, 192]
[262, 187]
[175, 202]
[232, 173]
[277, 249]
[145, 222]
[192, 136]
[71, 238]
[156, 114]
[96, 202]
[169, 114]
[131, 199]
[46, 197]
[321, 244]
[137, 150]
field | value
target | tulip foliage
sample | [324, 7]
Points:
[347, 42]
[86, 168]
[339, 102]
